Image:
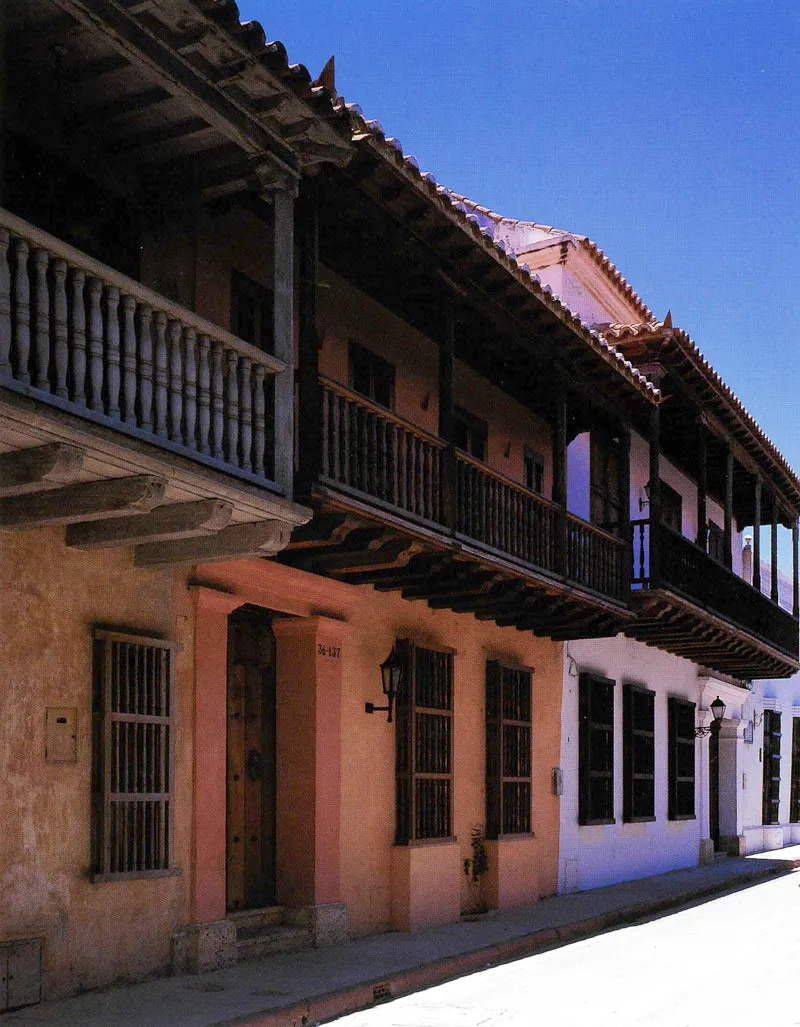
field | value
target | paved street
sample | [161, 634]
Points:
[731, 960]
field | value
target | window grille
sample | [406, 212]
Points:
[508, 749]
[772, 767]
[424, 746]
[794, 797]
[680, 768]
[638, 754]
[132, 757]
[595, 750]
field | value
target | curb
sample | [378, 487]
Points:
[313, 1011]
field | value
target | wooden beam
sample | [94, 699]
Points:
[394, 553]
[42, 467]
[236, 542]
[89, 501]
[165, 523]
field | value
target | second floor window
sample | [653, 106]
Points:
[371, 375]
[716, 542]
[470, 433]
[606, 477]
[534, 471]
[251, 312]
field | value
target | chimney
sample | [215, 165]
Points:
[747, 559]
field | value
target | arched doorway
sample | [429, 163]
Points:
[250, 781]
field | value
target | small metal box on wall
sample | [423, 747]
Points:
[20, 973]
[61, 734]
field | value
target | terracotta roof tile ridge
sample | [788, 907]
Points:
[363, 129]
[272, 54]
[592, 248]
[666, 329]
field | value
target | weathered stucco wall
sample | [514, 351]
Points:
[345, 313]
[368, 768]
[52, 597]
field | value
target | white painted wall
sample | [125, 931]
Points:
[598, 855]
[784, 697]
[593, 856]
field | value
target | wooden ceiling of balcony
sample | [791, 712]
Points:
[684, 629]
[415, 258]
[163, 97]
[397, 557]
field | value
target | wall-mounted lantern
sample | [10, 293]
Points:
[393, 674]
[644, 497]
[718, 710]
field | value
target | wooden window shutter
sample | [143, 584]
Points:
[132, 756]
[681, 759]
[595, 750]
[772, 767]
[794, 799]
[508, 749]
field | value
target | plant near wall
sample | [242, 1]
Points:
[476, 866]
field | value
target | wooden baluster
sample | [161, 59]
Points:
[41, 319]
[413, 477]
[204, 394]
[363, 458]
[129, 358]
[400, 465]
[22, 319]
[5, 304]
[145, 367]
[112, 350]
[232, 398]
[217, 399]
[96, 367]
[246, 412]
[161, 360]
[326, 432]
[78, 337]
[383, 449]
[60, 336]
[190, 387]
[340, 438]
[175, 382]
[259, 419]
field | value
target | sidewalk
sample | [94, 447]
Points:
[305, 988]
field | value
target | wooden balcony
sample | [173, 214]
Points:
[128, 380]
[692, 606]
[401, 509]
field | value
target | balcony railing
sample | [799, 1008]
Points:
[682, 566]
[372, 452]
[79, 335]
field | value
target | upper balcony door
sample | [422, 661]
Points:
[606, 477]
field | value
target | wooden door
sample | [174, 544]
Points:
[250, 861]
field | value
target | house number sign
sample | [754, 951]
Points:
[333, 651]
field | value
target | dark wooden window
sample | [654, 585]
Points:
[534, 471]
[638, 754]
[470, 433]
[371, 375]
[671, 507]
[424, 746]
[716, 542]
[680, 760]
[595, 750]
[508, 749]
[794, 796]
[132, 756]
[252, 312]
[605, 479]
[771, 757]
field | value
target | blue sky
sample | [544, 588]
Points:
[667, 132]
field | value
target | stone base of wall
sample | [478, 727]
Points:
[203, 947]
[329, 922]
[733, 844]
[706, 850]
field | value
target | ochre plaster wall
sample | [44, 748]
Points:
[368, 783]
[51, 599]
[345, 313]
